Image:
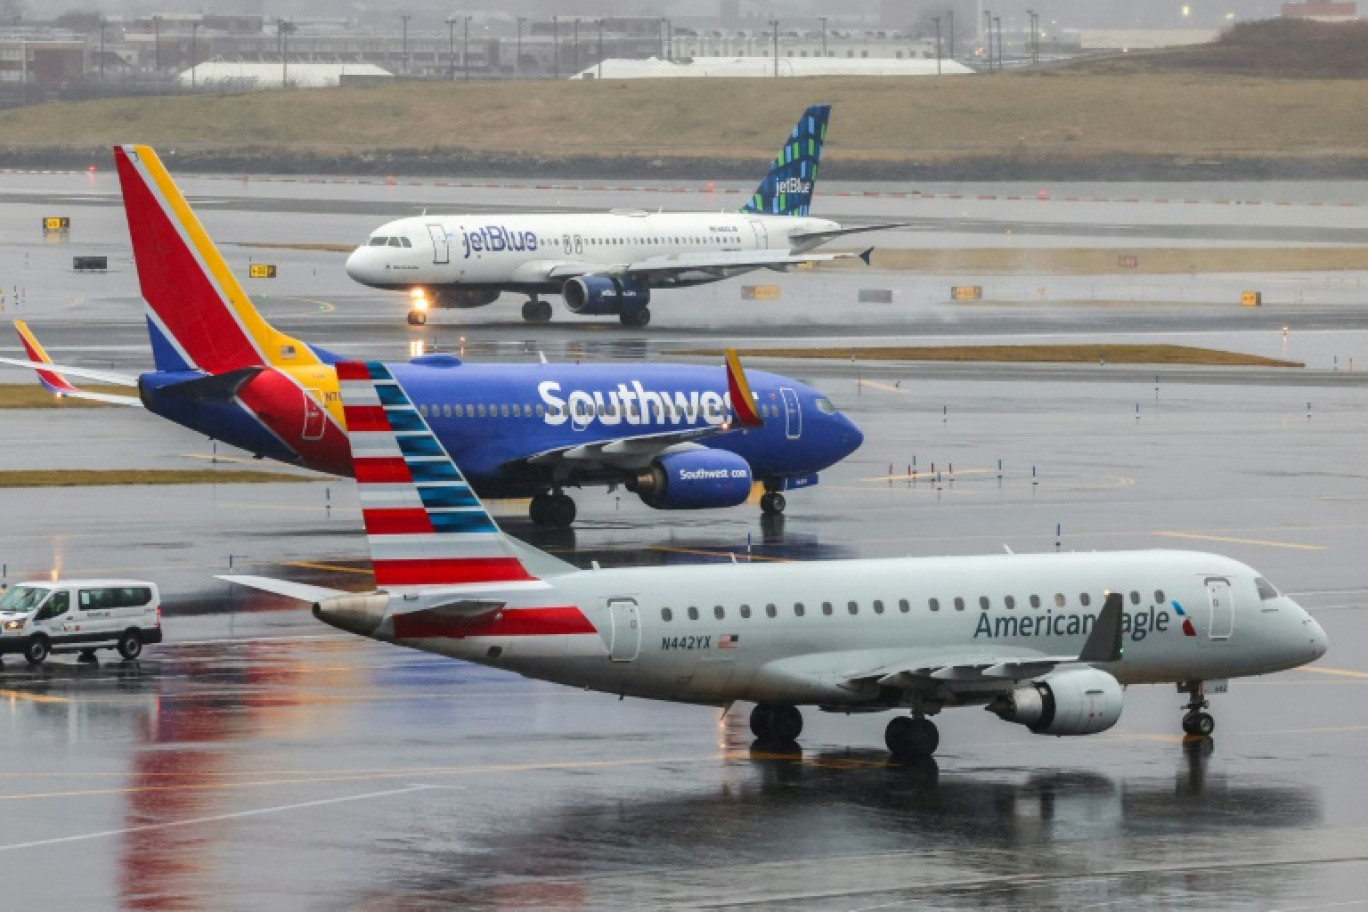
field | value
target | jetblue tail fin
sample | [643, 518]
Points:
[197, 314]
[787, 188]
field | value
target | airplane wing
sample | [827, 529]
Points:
[824, 236]
[637, 451]
[987, 668]
[714, 264]
[51, 375]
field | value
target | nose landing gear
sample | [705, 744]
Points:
[1196, 721]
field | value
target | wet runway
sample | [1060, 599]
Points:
[259, 760]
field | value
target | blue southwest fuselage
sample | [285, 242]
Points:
[510, 426]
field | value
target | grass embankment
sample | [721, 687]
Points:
[81, 478]
[31, 395]
[1047, 116]
[1020, 354]
[1148, 261]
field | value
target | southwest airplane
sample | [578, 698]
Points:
[679, 436]
[1048, 641]
[606, 263]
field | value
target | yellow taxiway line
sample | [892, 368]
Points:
[1243, 541]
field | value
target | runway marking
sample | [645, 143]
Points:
[322, 305]
[309, 565]
[887, 388]
[32, 697]
[740, 556]
[1335, 671]
[1243, 541]
[102, 834]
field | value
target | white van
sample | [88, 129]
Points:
[79, 616]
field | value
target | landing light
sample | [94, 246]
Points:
[419, 297]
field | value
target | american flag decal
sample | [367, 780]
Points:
[425, 525]
[728, 640]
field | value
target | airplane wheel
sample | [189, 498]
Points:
[529, 311]
[760, 721]
[537, 509]
[772, 503]
[639, 317]
[417, 318]
[543, 314]
[1199, 723]
[560, 511]
[909, 737]
[786, 723]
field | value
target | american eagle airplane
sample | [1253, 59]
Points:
[679, 436]
[605, 264]
[1048, 641]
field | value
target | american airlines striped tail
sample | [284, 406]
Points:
[424, 524]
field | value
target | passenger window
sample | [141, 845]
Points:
[826, 608]
[933, 604]
[1060, 601]
[693, 613]
[853, 607]
[771, 611]
[423, 410]
[482, 410]
[1159, 593]
[447, 410]
[878, 606]
[541, 411]
[745, 611]
[798, 609]
[904, 606]
[1035, 601]
[666, 615]
[1084, 599]
[983, 602]
[1009, 601]
[959, 603]
[503, 410]
[719, 612]
[1135, 597]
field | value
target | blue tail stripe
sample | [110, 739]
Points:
[164, 354]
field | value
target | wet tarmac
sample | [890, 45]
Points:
[259, 760]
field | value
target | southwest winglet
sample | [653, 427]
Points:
[742, 401]
[54, 381]
[866, 254]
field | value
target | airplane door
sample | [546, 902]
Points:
[315, 421]
[793, 414]
[441, 247]
[761, 236]
[626, 629]
[1222, 604]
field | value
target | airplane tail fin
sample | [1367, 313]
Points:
[198, 315]
[425, 525]
[744, 412]
[787, 188]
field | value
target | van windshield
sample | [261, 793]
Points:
[23, 598]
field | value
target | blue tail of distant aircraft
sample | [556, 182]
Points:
[787, 188]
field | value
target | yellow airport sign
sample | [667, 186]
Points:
[966, 292]
[56, 223]
[262, 271]
[759, 292]
[1251, 298]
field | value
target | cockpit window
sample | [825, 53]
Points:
[396, 242]
[825, 407]
[378, 241]
[1266, 590]
[406, 242]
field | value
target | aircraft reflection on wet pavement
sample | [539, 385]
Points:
[846, 636]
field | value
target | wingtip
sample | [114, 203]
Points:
[867, 254]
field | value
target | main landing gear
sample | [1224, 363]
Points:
[912, 736]
[776, 723]
[1195, 721]
[535, 310]
[638, 317]
[556, 510]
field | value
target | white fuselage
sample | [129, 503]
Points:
[717, 633]
[529, 252]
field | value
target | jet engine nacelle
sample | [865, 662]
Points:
[1081, 701]
[694, 480]
[593, 295]
[464, 298]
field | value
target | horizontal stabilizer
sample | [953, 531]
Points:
[301, 591]
[803, 237]
[216, 386]
[99, 376]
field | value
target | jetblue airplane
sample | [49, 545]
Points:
[679, 436]
[605, 264]
[1047, 641]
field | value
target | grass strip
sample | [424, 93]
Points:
[1020, 354]
[81, 478]
[1108, 261]
[31, 396]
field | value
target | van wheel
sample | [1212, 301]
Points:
[37, 650]
[130, 644]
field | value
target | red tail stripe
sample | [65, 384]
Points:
[352, 370]
[453, 570]
[365, 418]
[508, 622]
[382, 470]
[400, 521]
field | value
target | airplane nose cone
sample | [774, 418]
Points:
[354, 264]
[851, 437]
[1319, 641]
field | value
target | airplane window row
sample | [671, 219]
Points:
[581, 410]
[904, 606]
[378, 241]
[617, 242]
